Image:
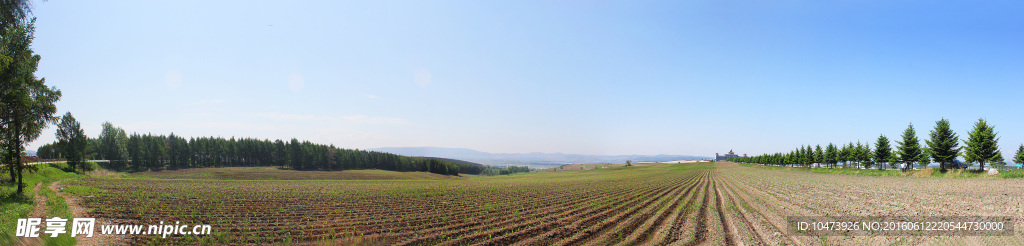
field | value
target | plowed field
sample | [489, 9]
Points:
[669, 204]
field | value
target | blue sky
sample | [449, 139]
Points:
[584, 77]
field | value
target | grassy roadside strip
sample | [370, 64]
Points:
[16, 206]
[56, 207]
[928, 172]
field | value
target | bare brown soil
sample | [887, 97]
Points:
[674, 204]
[80, 212]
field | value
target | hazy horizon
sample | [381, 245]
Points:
[607, 78]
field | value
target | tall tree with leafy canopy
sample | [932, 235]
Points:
[943, 144]
[982, 144]
[883, 153]
[27, 105]
[72, 140]
[909, 149]
[114, 145]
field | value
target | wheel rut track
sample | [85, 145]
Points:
[745, 215]
[676, 230]
[701, 234]
[727, 226]
[759, 209]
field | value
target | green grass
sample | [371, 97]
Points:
[1011, 173]
[57, 207]
[15, 206]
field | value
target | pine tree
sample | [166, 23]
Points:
[865, 156]
[909, 150]
[843, 155]
[808, 156]
[998, 161]
[71, 140]
[943, 145]
[1019, 157]
[883, 152]
[982, 145]
[924, 159]
[819, 155]
[830, 155]
[858, 150]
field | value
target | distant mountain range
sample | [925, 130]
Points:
[535, 159]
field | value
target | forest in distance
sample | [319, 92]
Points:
[148, 152]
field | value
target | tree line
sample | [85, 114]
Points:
[148, 152]
[942, 146]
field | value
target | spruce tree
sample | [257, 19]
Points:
[844, 155]
[858, 150]
[819, 155]
[924, 159]
[1019, 157]
[883, 152]
[865, 156]
[830, 155]
[909, 150]
[943, 145]
[808, 156]
[982, 145]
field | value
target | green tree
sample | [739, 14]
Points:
[909, 149]
[26, 102]
[943, 144]
[997, 161]
[819, 155]
[830, 155]
[1019, 157]
[982, 144]
[114, 145]
[72, 140]
[883, 153]
[843, 155]
[865, 155]
[924, 159]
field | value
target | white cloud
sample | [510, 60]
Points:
[423, 78]
[296, 82]
[172, 78]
